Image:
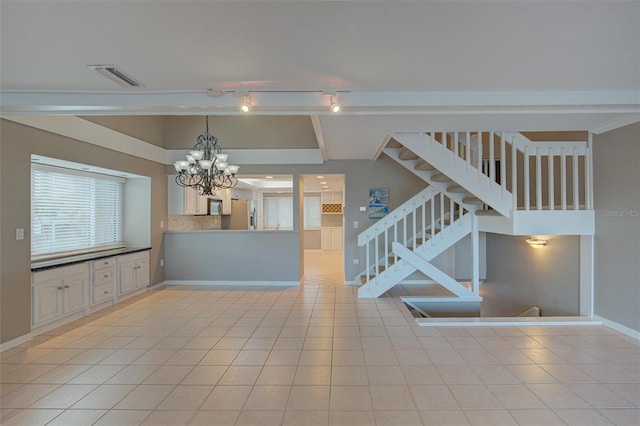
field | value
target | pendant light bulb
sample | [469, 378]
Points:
[246, 103]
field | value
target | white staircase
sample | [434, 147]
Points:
[498, 182]
[408, 238]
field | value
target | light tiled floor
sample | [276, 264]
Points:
[314, 355]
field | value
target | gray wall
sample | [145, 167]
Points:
[312, 239]
[242, 131]
[616, 162]
[520, 276]
[18, 142]
[360, 175]
[232, 255]
[148, 128]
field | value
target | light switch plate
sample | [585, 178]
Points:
[363, 208]
[19, 234]
[355, 224]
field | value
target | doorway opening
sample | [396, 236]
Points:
[323, 227]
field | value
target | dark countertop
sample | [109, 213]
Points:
[70, 260]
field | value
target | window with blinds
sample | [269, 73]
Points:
[74, 211]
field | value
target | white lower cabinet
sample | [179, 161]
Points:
[133, 272]
[103, 285]
[331, 238]
[58, 292]
[71, 291]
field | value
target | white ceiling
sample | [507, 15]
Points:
[397, 66]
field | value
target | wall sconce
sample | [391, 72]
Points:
[537, 242]
[246, 103]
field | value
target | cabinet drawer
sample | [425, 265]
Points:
[103, 276]
[104, 263]
[102, 293]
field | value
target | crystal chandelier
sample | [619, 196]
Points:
[206, 168]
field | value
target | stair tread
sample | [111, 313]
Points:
[487, 213]
[394, 144]
[472, 200]
[440, 178]
[407, 155]
[424, 166]
[363, 278]
[456, 188]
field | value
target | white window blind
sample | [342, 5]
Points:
[312, 212]
[74, 211]
[278, 211]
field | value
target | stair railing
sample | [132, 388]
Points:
[549, 175]
[425, 216]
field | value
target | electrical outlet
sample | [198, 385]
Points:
[161, 224]
[161, 262]
[355, 224]
[356, 261]
[19, 234]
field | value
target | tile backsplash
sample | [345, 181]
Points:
[194, 223]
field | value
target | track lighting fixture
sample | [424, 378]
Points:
[335, 106]
[246, 103]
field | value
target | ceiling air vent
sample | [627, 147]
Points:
[116, 74]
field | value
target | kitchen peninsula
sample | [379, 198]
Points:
[233, 257]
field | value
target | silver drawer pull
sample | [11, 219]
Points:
[106, 292]
[106, 263]
[66, 286]
[106, 276]
[59, 288]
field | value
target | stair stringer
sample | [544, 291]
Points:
[400, 270]
[425, 175]
[457, 169]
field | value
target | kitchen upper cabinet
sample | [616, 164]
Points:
[332, 197]
[194, 203]
[58, 292]
[331, 238]
[223, 195]
[133, 272]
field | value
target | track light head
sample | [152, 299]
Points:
[246, 103]
[335, 106]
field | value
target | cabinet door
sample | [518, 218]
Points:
[337, 239]
[142, 273]
[201, 204]
[127, 280]
[226, 201]
[47, 301]
[190, 197]
[74, 293]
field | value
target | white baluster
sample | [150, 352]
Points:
[441, 212]
[492, 158]
[514, 174]
[551, 183]
[468, 150]
[563, 178]
[527, 186]
[538, 180]
[479, 153]
[455, 145]
[503, 164]
[576, 182]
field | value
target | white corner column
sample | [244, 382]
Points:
[586, 275]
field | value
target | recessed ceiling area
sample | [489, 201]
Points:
[284, 183]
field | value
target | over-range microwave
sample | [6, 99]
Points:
[214, 207]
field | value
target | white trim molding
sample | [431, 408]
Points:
[233, 283]
[619, 327]
[15, 342]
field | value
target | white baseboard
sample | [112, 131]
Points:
[233, 283]
[15, 342]
[156, 286]
[619, 327]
